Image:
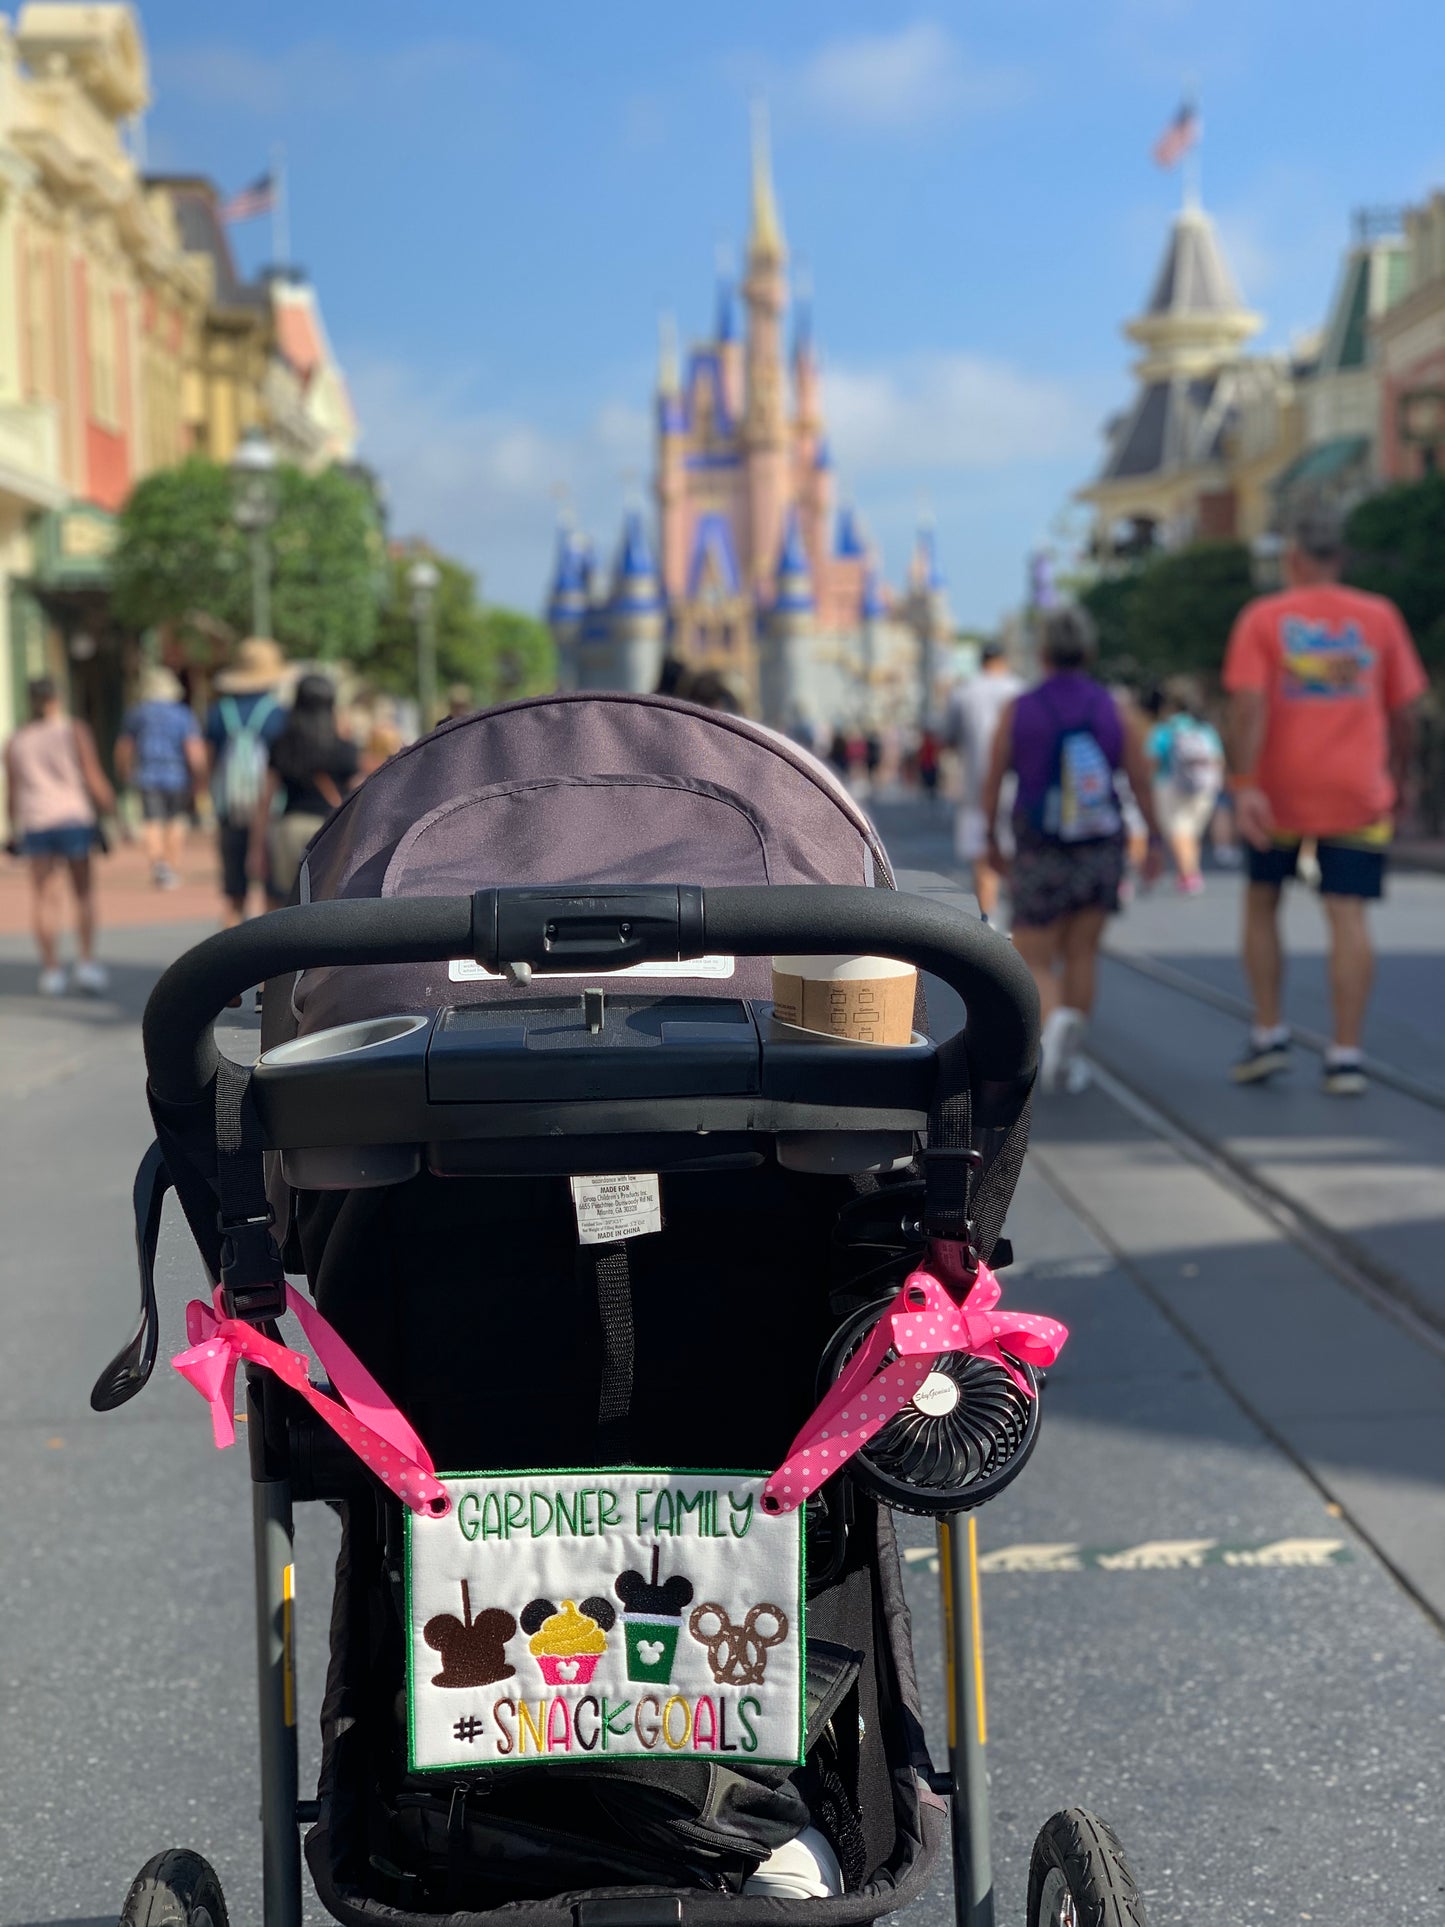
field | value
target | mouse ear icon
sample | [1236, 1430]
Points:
[534, 1613]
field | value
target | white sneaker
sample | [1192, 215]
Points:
[803, 1868]
[1063, 1034]
[52, 982]
[91, 977]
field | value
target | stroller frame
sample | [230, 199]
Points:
[525, 931]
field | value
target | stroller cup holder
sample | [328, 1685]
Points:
[457, 1090]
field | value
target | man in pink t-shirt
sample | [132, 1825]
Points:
[1322, 684]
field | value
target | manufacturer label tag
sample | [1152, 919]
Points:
[462, 970]
[617, 1207]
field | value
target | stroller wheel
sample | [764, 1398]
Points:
[175, 1889]
[1078, 1876]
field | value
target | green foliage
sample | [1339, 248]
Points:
[1173, 613]
[499, 654]
[1395, 544]
[181, 563]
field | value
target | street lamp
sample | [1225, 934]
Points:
[422, 578]
[253, 467]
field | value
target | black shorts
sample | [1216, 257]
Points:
[235, 842]
[1349, 866]
[1049, 880]
[163, 806]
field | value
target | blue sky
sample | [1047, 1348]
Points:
[496, 202]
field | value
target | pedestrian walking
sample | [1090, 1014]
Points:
[57, 789]
[1188, 763]
[1066, 743]
[159, 754]
[1322, 683]
[973, 715]
[244, 721]
[312, 767]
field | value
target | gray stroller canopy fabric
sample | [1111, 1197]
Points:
[586, 789]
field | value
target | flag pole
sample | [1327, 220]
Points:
[1192, 172]
[280, 225]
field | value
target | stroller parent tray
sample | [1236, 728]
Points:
[531, 1084]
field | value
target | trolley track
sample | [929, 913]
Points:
[1188, 985]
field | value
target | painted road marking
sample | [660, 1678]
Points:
[1153, 1555]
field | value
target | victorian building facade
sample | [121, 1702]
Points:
[753, 569]
[127, 341]
[1410, 344]
[1210, 426]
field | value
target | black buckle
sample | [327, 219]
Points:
[253, 1280]
[953, 1226]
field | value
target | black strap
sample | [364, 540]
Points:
[614, 1306]
[967, 1185]
[253, 1279]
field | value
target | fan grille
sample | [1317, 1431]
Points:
[973, 1441]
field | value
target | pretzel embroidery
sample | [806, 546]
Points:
[738, 1655]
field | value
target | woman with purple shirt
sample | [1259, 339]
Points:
[1066, 742]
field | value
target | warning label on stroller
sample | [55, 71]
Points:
[604, 1614]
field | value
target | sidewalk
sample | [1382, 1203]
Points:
[126, 897]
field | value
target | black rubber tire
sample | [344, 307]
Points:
[176, 1889]
[1096, 1875]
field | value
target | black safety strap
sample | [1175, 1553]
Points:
[614, 1307]
[968, 1186]
[253, 1279]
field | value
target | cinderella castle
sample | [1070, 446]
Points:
[754, 570]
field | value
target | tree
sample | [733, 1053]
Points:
[181, 563]
[1395, 546]
[499, 654]
[1173, 613]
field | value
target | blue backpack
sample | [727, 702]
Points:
[1079, 805]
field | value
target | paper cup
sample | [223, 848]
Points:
[867, 1000]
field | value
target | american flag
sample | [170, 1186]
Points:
[1178, 137]
[258, 198]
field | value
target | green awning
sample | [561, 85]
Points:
[1322, 463]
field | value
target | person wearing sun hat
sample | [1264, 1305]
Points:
[244, 721]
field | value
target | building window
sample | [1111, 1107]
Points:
[39, 373]
[102, 327]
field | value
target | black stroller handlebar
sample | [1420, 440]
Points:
[558, 929]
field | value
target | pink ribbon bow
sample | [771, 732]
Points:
[367, 1421]
[923, 1322]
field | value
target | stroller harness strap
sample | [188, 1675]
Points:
[367, 1422]
[923, 1321]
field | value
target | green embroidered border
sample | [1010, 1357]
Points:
[591, 1471]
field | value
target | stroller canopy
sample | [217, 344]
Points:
[586, 789]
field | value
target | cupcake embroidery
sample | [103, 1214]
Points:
[652, 1621]
[567, 1644]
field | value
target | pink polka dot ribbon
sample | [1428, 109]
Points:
[363, 1417]
[924, 1321]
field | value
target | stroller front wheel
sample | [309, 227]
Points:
[1079, 1876]
[175, 1889]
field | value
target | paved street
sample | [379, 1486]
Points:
[1268, 1737]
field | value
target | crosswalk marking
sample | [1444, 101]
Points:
[1151, 1555]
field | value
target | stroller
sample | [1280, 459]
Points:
[638, 1312]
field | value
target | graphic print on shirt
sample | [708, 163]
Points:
[1323, 661]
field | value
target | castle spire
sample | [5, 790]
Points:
[765, 242]
[667, 369]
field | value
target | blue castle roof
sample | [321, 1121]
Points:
[727, 319]
[873, 604]
[634, 579]
[926, 551]
[849, 542]
[712, 549]
[795, 578]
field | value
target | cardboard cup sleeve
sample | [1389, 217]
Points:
[866, 1000]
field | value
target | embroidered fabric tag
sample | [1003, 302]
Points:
[463, 970]
[605, 1613]
[617, 1207]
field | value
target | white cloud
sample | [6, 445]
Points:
[902, 80]
[933, 412]
[483, 484]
